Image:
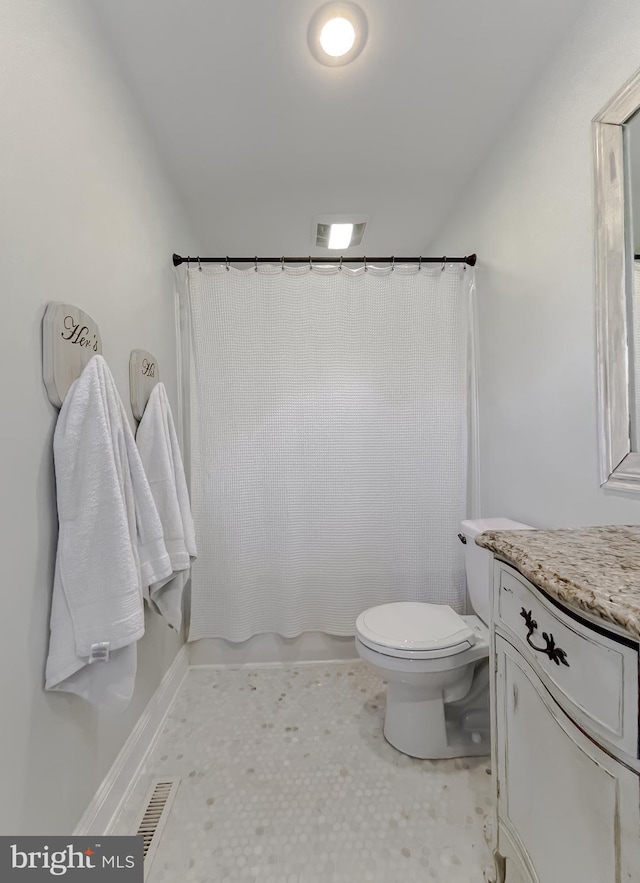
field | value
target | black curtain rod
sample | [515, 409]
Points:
[469, 259]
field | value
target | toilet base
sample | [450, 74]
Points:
[424, 726]
[439, 707]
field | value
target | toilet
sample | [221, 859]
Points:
[436, 661]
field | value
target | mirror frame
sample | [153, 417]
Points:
[619, 465]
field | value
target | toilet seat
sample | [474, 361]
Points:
[414, 630]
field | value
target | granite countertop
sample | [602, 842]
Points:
[595, 569]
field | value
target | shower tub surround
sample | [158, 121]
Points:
[286, 778]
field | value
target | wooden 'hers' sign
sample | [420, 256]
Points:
[70, 338]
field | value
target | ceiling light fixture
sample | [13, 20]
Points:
[337, 37]
[340, 235]
[337, 33]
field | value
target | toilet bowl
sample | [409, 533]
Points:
[436, 661]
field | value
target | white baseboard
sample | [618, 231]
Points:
[103, 809]
[237, 666]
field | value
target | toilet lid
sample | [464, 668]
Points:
[413, 626]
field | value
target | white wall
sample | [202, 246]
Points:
[528, 214]
[86, 217]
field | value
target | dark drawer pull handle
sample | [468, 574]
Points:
[554, 653]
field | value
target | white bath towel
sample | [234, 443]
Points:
[160, 454]
[110, 544]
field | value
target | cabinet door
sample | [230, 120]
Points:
[571, 810]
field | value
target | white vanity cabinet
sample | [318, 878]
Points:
[565, 752]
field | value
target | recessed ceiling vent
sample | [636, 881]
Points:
[339, 235]
[157, 807]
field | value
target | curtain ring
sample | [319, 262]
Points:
[188, 263]
[310, 264]
[255, 263]
[227, 262]
[444, 261]
[393, 263]
[199, 264]
[282, 263]
[340, 267]
[365, 264]
[419, 263]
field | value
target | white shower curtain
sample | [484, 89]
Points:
[329, 412]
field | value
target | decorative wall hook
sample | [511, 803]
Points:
[143, 376]
[70, 338]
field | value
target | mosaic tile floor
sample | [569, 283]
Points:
[287, 778]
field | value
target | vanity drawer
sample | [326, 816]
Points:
[593, 676]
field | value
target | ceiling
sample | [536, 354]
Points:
[258, 137]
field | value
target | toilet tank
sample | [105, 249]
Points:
[478, 562]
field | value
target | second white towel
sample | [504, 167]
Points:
[160, 454]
